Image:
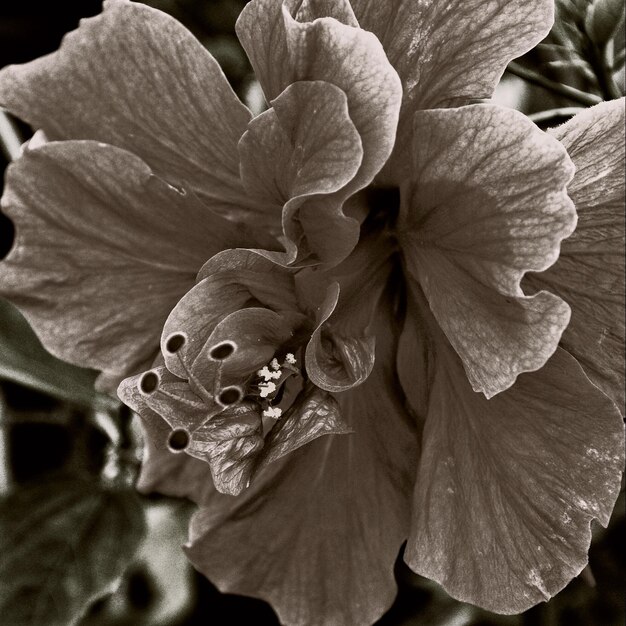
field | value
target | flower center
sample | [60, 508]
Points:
[273, 387]
[269, 385]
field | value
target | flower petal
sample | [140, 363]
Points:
[486, 204]
[228, 282]
[283, 49]
[445, 51]
[104, 249]
[589, 274]
[344, 299]
[170, 473]
[136, 78]
[317, 534]
[305, 145]
[229, 443]
[450, 52]
[312, 416]
[167, 396]
[228, 439]
[334, 362]
[255, 335]
[507, 487]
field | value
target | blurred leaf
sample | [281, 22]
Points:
[63, 544]
[24, 360]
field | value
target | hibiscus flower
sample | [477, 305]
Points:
[335, 284]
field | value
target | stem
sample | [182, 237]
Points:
[5, 467]
[601, 67]
[566, 91]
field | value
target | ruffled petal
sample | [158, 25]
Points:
[229, 282]
[230, 443]
[136, 78]
[104, 250]
[345, 298]
[285, 46]
[589, 274]
[486, 204]
[335, 362]
[507, 488]
[305, 144]
[314, 415]
[302, 149]
[448, 53]
[318, 533]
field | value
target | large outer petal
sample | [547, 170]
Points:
[448, 53]
[318, 533]
[445, 51]
[507, 488]
[487, 203]
[136, 78]
[284, 50]
[104, 249]
[589, 274]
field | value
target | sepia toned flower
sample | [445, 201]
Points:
[320, 309]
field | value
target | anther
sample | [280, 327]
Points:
[290, 358]
[149, 382]
[229, 396]
[175, 342]
[222, 351]
[265, 389]
[178, 440]
[267, 374]
[274, 364]
[273, 411]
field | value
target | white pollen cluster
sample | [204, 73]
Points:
[290, 358]
[266, 374]
[273, 411]
[266, 388]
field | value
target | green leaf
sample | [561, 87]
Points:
[24, 360]
[63, 543]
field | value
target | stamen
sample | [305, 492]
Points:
[266, 374]
[274, 364]
[149, 383]
[178, 440]
[230, 395]
[175, 342]
[222, 350]
[267, 388]
[273, 411]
